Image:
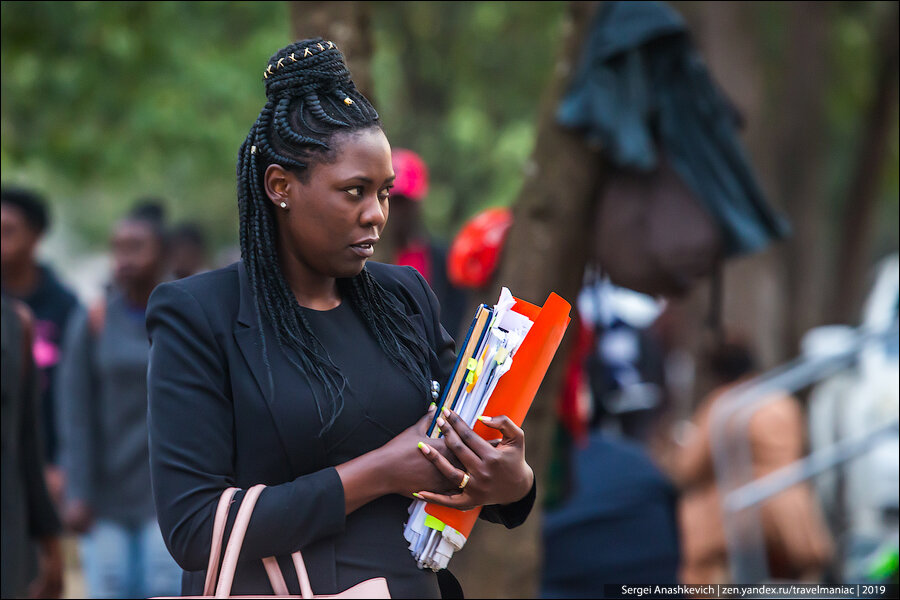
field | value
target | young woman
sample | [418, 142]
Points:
[103, 423]
[303, 368]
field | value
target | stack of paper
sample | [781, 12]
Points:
[488, 352]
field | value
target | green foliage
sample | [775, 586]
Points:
[855, 28]
[105, 102]
[460, 83]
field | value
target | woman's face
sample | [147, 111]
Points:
[333, 220]
[137, 254]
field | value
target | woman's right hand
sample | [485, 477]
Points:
[407, 469]
[398, 467]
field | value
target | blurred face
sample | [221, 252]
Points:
[17, 238]
[137, 254]
[333, 221]
[406, 217]
[187, 259]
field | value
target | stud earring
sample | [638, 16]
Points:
[284, 205]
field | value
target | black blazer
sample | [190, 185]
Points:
[217, 421]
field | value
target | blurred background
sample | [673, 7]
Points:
[541, 109]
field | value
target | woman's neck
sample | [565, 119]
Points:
[311, 289]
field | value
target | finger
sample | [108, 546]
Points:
[471, 439]
[468, 458]
[512, 433]
[423, 423]
[443, 465]
[457, 501]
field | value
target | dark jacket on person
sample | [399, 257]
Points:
[27, 511]
[225, 412]
[53, 304]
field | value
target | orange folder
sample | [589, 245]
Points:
[516, 389]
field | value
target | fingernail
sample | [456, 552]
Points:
[484, 418]
[440, 422]
[432, 406]
[424, 447]
[418, 495]
[446, 411]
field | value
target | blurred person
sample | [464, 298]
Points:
[610, 511]
[104, 449]
[798, 544]
[23, 221]
[409, 241]
[28, 515]
[188, 250]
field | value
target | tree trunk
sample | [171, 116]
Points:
[800, 177]
[347, 24]
[546, 251]
[752, 293]
[857, 222]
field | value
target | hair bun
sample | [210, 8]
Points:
[149, 209]
[305, 66]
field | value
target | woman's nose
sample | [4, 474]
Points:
[374, 212]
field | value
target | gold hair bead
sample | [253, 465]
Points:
[280, 63]
[348, 101]
[252, 149]
[265, 75]
[306, 53]
[330, 44]
[293, 58]
[269, 69]
[321, 47]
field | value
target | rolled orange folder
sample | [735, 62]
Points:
[515, 391]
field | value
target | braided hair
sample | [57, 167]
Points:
[309, 99]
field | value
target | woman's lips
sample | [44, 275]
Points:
[363, 250]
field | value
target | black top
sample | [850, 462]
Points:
[217, 420]
[52, 304]
[27, 511]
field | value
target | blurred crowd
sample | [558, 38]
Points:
[634, 494]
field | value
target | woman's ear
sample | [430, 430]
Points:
[276, 181]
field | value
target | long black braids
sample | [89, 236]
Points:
[310, 97]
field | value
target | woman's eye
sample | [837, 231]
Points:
[355, 191]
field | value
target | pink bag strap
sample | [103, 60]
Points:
[217, 535]
[236, 540]
[233, 550]
[302, 575]
[275, 576]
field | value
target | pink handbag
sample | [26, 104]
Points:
[372, 588]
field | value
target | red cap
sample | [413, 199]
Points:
[476, 249]
[411, 174]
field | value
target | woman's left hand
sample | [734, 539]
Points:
[496, 475]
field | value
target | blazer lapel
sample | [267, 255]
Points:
[247, 336]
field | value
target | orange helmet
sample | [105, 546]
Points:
[476, 248]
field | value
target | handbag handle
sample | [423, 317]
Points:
[233, 550]
[216, 546]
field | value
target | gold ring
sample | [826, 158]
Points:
[464, 482]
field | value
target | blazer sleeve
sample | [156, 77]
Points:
[510, 515]
[191, 428]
